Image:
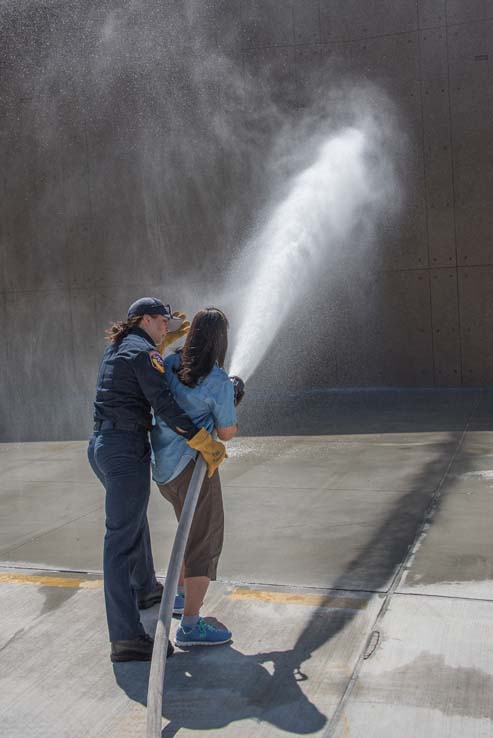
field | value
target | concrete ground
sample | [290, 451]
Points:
[357, 577]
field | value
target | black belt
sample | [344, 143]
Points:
[103, 425]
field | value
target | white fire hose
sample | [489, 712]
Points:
[161, 638]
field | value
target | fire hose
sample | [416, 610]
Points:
[161, 638]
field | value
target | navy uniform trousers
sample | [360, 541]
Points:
[121, 460]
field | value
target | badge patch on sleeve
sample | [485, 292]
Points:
[157, 361]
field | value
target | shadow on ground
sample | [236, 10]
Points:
[228, 687]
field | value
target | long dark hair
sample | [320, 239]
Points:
[122, 328]
[206, 345]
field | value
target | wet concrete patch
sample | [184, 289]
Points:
[456, 549]
[468, 690]
[432, 672]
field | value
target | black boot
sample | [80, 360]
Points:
[151, 598]
[136, 649]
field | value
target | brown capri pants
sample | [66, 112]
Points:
[205, 541]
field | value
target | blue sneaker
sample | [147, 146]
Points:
[202, 634]
[179, 605]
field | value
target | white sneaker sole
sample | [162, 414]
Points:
[178, 611]
[184, 644]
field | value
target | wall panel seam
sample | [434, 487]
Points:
[451, 144]
[338, 42]
[425, 193]
[459, 24]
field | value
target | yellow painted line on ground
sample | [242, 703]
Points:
[47, 581]
[290, 598]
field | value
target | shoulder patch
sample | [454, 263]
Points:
[157, 362]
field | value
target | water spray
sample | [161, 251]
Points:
[338, 194]
[337, 197]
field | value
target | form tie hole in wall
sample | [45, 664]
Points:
[481, 57]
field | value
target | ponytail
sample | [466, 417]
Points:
[117, 332]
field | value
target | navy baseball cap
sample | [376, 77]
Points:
[153, 306]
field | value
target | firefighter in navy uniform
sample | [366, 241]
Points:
[131, 381]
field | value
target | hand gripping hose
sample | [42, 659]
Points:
[161, 638]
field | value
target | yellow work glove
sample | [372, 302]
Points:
[173, 336]
[213, 452]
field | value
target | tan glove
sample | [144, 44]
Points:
[173, 336]
[213, 452]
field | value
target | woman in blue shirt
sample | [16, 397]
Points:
[204, 391]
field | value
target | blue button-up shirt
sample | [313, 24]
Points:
[210, 405]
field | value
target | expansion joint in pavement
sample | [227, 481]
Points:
[371, 643]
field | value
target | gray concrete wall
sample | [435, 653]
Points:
[133, 164]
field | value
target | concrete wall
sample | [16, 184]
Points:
[128, 170]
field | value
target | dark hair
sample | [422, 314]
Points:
[122, 328]
[206, 345]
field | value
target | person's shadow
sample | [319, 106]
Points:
[208, 688]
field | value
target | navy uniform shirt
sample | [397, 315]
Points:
[131, 380]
